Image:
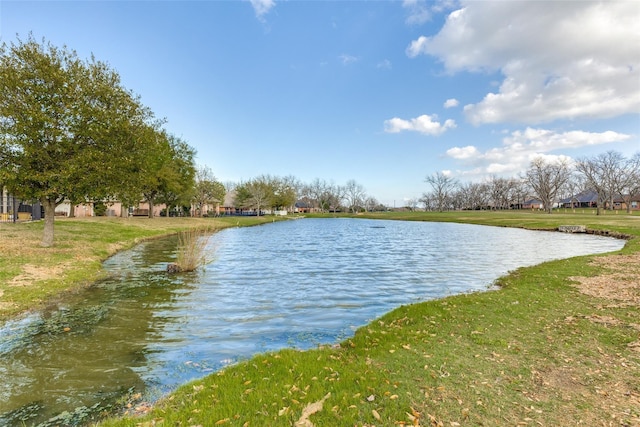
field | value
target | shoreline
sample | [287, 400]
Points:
[508, 283]
[137, 407]
[363, 344]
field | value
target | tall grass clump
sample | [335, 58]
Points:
[191, 252]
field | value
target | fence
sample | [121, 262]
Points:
[13, 210]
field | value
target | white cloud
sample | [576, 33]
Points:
[262, 7]
[463, 152]
[418, 11]
[450, 103]
[348, 59]
[386, 64]
[522, 146]
[421, 11]
[560, 60]
[425, 124]
[417, 47]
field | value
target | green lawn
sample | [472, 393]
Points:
[558, 344]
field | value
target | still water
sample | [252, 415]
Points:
[288, 284]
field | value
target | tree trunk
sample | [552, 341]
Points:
[72, 210]
[150, 208]
[49, 215]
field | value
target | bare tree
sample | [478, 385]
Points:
[428, 200]
[520, 190]
[443, 186]
[229, 186]
[371, 204]
[354, 194]
[547, 178]
[412, 204]
[472, 195]
[336, 196]
[602, 174]
[629, 181]
[500, 190]
[317, 191]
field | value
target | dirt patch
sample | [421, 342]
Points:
[619, 282]
[33, 273]
[558, 378]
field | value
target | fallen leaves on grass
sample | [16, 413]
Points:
[309, 410]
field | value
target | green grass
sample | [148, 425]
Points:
[31, 275]
[527, 354]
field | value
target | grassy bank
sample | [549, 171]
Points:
[31, 275]
[558, 344]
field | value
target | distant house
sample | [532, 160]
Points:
[229, 206]
[532, 204]
[302, 206]
[112, 208]
[621, 203]
[586, 199]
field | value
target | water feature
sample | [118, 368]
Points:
[287, 284]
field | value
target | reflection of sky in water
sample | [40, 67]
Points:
[289, 284]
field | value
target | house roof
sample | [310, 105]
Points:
[634, 198]
[229, 198]
[587, 196]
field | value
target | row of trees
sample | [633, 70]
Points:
[610, 175]
[70, 131]
[272, 192]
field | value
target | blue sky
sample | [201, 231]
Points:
[385, 93]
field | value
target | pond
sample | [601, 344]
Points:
[287, 284]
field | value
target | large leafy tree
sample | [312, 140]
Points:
[66, 125]
[179, 180]
[255, 194]
[167, 172]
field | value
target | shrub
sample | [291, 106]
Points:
[191, 251]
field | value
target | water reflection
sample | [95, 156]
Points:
[296, 283]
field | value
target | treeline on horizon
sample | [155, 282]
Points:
[610, 176]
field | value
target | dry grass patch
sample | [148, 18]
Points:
[33, 273]
[619, 282]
